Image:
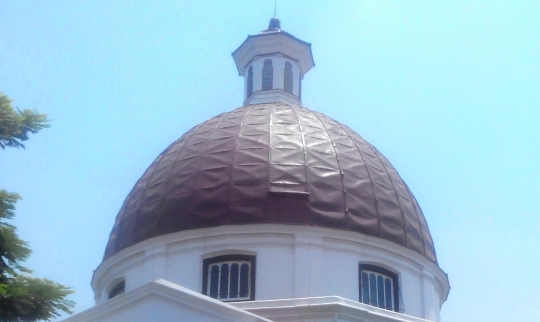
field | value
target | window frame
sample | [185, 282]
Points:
[267, 79]
[207, 262]
[383, 271]
[119, 288]
[288, 78]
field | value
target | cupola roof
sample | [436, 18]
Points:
[270, 42]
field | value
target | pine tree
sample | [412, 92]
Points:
[16, 125]
[22, 297]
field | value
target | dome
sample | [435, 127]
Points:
[271, 163]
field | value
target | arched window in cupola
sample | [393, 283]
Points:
[288, 78]
[250, 82]
[267, 75]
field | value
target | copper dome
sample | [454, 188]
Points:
[271, 163]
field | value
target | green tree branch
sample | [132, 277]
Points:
[16, 125]
[22, 297]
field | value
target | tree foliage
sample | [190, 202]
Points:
[22, 297]
[16, 125]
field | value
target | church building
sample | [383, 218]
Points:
[269, 212]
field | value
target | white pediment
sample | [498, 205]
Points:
[164, 301]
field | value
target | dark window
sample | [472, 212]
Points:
[379, 287]
[250, 82]
[118, 289]
[288, 78]
[267, 75]
[214, 280]
[235, 277]
[229, 278]
[245, 280]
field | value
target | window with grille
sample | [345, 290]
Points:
[379, 287]
[267, 75]
[288, 78]
[229, 278]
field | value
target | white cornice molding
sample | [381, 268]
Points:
[176, 293]
[272, 96]
[271, 44]
[305, 308]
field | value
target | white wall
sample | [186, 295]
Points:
[292, 262]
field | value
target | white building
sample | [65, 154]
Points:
[270, 212]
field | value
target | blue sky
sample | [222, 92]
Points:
[448, 91]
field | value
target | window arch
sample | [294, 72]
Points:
[267, 75]
[229, 278]
[288, 78]
[379, 287]
[118, 289]
[250, 82]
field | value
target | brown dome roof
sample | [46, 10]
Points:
[271, 163]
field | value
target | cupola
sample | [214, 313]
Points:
[273, 64]
[274, 209]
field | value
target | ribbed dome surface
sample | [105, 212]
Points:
[271, 163]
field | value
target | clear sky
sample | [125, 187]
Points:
[448, 91]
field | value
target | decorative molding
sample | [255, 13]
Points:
[306, 309]
[161, 289]
[424, 285]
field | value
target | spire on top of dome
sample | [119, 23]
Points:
[275, 23]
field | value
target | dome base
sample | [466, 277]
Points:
[291, 262]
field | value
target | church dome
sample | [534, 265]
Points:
[271, 163]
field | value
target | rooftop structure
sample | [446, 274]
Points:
[270, 212]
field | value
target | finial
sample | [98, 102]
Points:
[274, 24]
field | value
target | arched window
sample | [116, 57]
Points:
[118, 289]
[379, 287]
[267, 75]
[250, 82]
[288, 78]
[229, 278]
